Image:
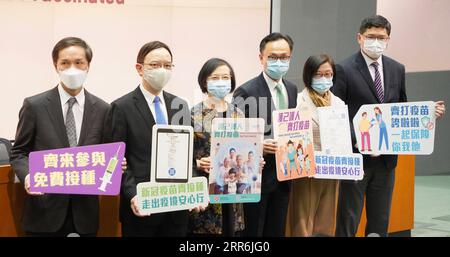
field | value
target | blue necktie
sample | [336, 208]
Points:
[160, 119]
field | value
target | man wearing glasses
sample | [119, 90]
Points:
[257, 98]
[369, 77]
[132, 118]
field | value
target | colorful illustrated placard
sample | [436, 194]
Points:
[156, 197]
[84, 170]
[236, 151]
[396, 128]
[295, 155]
[171, 186]
[339, 166]
[335, 136]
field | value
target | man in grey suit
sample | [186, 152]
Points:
[65, 116]
[369, 77]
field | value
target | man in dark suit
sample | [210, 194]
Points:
[257, 98]
[132, 118]
[369, 77]
[65, 116]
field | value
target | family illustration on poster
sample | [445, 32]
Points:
[295, 154]
[295, 158]
[238, 172]
[236, 151]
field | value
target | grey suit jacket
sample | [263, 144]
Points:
[41, 127]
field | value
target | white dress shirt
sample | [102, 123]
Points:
[273, 91]
[77, 109]
[372, 69]
[149, 97]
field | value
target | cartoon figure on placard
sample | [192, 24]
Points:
[283, 161]
[364, 125]
[231, 182]
[291, 154]
[300, 157]
[383, 129]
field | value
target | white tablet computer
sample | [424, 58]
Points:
[173, 151]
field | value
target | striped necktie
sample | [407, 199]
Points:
[377, 81]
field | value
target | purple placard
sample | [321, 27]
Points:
[84, 170]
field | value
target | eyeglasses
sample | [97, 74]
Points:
[327, 75]
[276, 58]
[154, 65]
[219, 77]
[379, 38]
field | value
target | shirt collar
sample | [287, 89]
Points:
[151, 97]
[272, 84]
[370, 61]
[64, 96]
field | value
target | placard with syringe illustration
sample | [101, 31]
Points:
[85, 170]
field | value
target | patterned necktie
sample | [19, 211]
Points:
[377, 81]
[280, 97]
[70, 123]
[160, 119]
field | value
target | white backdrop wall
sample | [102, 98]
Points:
[196, 30]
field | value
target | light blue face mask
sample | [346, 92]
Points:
[277, 69]
[219, 88]
[322, 85]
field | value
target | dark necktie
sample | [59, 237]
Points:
[377, 82]
[70, 123]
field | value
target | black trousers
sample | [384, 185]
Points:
[67, 228]
[268, 217]
[377, 187]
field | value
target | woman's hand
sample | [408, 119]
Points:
[204, 164]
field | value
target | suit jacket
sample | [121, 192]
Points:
[355, 86]
[132, 122]
[41, 127]
[255, 100]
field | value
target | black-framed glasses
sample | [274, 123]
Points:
[274, 58]
[379, 38]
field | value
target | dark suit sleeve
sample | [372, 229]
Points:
[118, 123]
[239, 97]
[403, 97]
[24, 141]
[339, 88]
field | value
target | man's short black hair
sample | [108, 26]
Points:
[275, 36]
[375, 21]
[232, 149]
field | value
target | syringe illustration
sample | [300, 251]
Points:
[106, 179]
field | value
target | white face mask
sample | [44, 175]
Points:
[73, 78]
[157, 78]
[374, 48]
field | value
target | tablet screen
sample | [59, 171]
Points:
[172, 153]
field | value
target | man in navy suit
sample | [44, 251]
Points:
[258, 98]
[369, 77]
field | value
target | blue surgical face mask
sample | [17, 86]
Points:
[322, 85]
[277, 69]
[219, 88]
